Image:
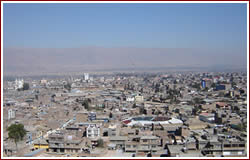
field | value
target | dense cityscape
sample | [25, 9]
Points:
[182, 114]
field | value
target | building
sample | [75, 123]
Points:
[118, 141]
[93, 131]
[19, 84]
[228, 148]
[11, 114]
[203, 84]
[43, 81]
[220, 87]
[130, 99]
[112, 130]
[41, 144]
[145, 144]
[92, 116]
[58, 143]
[139, 99]
[86, 76]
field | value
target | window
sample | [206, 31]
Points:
[226, 145]
[128, 146]
[241, 145]
[153, 146]
[234, 145]
[144, 140]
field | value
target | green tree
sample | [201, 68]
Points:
[26, 86]
[86, 104]
[67, 86]
[100, 143]
[16, 132]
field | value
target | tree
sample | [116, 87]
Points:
[67, 86]
[213, 85]
[86, 104]
[110, 115]
[197, 100]
[134, 105]
[16, 132]
[26, 86]
[100, 143]
[233, 84]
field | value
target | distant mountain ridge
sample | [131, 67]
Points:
[29, 60]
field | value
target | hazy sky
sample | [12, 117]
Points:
[125, 25]
[61, 37]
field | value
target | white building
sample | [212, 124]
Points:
[93, 131]
[19, 84]
[11, 114]
[43, 81]
[86, 76]
[130, 99]
[139, 99]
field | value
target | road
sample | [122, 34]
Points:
[53, 131]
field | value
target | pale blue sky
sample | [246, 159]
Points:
[207, 26]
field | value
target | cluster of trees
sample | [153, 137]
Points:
[86, 105]
[16, 132]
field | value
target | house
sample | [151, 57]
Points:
[61, 143]
[145, 144]
[93, 131]
[222, 105]
[119, 141]
[227, 148]
[39, 144]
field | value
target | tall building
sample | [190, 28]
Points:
[203, 84]
[86, 76]
[19, 84]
